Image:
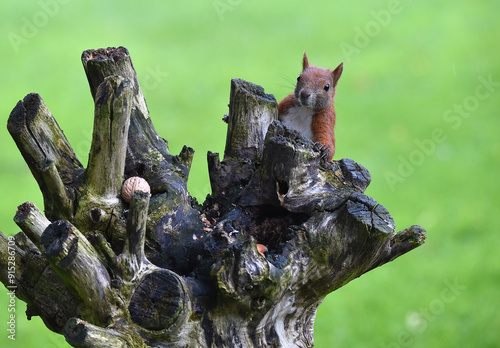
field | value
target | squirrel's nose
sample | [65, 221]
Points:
[304, 95]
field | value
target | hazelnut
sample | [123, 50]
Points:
[262, 249]
[133, 184]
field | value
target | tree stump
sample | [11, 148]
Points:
[165, 271]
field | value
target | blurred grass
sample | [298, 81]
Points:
[415, 63]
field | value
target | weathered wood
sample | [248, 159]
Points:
[163, 271]
[36, 282]
[56, 192]
[105, 171]
[158, 301]
[295, 176]
[148, 157]
[31, 221]
[251, 111]
[75, 260]
[43, 146]
[133, 255]
[146, 149]
[400, 243]
[98, 206]
[80, 333]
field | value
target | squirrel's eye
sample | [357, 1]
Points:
[327, 87]
[298, 78]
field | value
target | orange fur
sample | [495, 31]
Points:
[323, 129]
[285, 104]
[315, 100]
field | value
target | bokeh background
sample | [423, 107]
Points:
[418, 105]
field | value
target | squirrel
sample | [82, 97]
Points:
[310, 110]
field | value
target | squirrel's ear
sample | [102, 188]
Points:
[305, 62]
[337, 73]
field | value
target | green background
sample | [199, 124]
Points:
[418, 105]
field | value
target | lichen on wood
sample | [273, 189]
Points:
[282, 228]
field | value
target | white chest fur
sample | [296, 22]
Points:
[299, 118]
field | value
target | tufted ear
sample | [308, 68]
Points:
[336, 73]
[305, 62]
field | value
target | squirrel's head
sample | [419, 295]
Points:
[315, 87]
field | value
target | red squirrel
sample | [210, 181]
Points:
[309, 110]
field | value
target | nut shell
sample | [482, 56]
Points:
[262, 249]
[132, 184]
